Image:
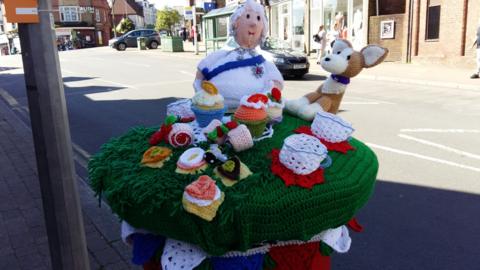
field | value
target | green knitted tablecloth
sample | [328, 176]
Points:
[258, 209]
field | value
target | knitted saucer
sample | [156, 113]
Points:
[256, 209]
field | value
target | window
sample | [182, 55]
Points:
[433, 23]
[97, 15]
[69, 14]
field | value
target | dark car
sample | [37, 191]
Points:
[289, 62]
[130, 39]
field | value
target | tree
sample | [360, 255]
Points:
[167, 18]
[124, 26]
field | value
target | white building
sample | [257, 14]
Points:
[149, 12]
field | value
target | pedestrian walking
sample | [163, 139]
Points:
[476, 75]
[320, 43]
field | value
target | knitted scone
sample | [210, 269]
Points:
[240, 138]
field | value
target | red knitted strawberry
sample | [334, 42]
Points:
[258, 97]
[276, 94]
[231, 125]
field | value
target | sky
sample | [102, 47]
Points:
[162, 3]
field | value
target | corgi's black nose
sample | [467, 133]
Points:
[327, 59]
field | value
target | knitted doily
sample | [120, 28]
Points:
[178, 255]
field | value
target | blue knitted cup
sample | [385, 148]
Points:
[204, 117]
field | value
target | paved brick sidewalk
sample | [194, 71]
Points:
[23, 239]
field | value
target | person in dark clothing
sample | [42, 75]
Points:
[476, 75]
[184, 33]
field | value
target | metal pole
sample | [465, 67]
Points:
[53, 147]
[194, 13]
[113, 20]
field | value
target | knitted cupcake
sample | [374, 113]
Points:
[252, 112]
[275, 106]
[207, 104]
[202, 198]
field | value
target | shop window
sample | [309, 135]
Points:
[222, 27]
[433, 23]
[69, 14]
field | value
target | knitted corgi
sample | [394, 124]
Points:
[344, 63]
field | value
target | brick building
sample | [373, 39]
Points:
[433, 31]
[87, 21]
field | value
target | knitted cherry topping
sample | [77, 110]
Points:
[232, 125]
[276, 94]
[258, 97]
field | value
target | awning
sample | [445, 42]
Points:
[225, 11]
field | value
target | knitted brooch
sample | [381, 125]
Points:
[175, 133]
[203, 198]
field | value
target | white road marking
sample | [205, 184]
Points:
[187, 73]
[371, 100]
[360, 103]
[434, 130]
[8, 98]
[440, 146]
[93, 77]
[436, 160]
[163, 83]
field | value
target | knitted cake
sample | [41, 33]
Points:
[253, 211]
[208, 105]
[252, 113]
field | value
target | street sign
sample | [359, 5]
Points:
[21, 11]
[188, 14]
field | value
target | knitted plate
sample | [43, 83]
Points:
[257, 209]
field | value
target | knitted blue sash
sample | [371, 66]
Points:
[340, 79]
[257, 60]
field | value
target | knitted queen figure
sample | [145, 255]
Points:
[242, 71]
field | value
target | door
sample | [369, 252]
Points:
[132, 39]
[285, 29]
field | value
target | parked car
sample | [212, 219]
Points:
[289, 62]
[130, 39]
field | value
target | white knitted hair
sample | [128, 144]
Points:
[239, 12]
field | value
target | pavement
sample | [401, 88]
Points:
[23, 239]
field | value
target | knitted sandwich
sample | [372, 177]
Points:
[202, 198]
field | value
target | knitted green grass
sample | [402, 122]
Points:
[258, 209]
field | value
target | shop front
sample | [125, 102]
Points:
[287, 22]
[347, 19]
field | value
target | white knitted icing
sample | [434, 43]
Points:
[203, 98]
[255, 105]
[200, 202]
[280, 105]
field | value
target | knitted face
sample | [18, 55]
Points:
[248, 28]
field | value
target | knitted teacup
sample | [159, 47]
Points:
[302, 153]
[331, 127]
[240, 138]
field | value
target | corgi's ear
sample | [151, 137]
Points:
[373, 55]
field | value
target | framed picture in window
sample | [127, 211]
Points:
[387, 29]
